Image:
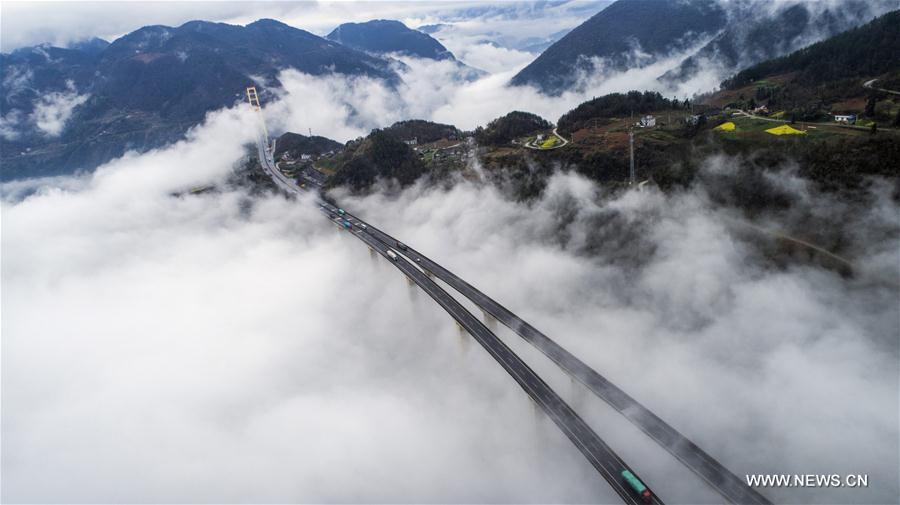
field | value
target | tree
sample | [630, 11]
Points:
[896, 119]
[874, 128]
[870, 106]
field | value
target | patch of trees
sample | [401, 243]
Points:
[421, 130]
[616, 104]
[868, 50]
[504, 129]
[297, 144]
[658, 27]
[381, 155]
[846, 163]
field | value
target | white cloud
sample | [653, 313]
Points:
[344, 107]
[9, 123]
[197, 346]
[185, 349]
[159, 348]
[52, 110]
[16, 79]
[490, 57]
[61, 23]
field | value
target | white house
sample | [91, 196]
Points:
[845, 118]
[305, 157]
[413, 141]
[648, 121]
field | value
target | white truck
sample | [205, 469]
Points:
[392, 255]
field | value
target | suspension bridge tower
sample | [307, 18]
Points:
[253, 99]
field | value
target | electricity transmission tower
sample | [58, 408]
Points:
[631, 150]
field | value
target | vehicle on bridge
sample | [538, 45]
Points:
[392, 255]
[401, 246]
[347, 224]
[638, 486]
[341, 212]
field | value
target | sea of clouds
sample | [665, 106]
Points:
[160, 346]
[224, 347]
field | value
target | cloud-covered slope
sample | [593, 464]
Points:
[389, 36]
[628, 33]
[148, 87]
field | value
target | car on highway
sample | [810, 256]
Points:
[341, 212]
[401, 246]
[637, 486]
[347, 224]
[392, 255]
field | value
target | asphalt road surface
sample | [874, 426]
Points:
[601, 456]
[728, 485]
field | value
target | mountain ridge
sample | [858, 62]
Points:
[385, 36]
[146, 88]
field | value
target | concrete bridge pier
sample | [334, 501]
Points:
[489, 320]
[537, 412]
[463, 337]
[373, 254]
[577, 390]
[413, 292]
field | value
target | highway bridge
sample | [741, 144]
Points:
[607, 463]
[599, 454]
[728, 485]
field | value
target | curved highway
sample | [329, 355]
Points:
[601, 456]
[598, 453]
[728, 485]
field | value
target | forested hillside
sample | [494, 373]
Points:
[381, 155]
[389, 36]
[504, 129]
[297, 144]
[613, 105]
[866, 51]
[616, 34]
[421, 130]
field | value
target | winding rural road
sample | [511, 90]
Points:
[869, 84]
[531, 145]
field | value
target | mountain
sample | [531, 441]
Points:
[382, 36]
[758, 31]
[297, 145]
[828, 77]
[626, 34]
[381, 155]
[91, 46]
[423, 131]
[503, 130]
[68, 109]
[867, 51]
[612, 105]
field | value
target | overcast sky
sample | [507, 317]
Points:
[30, 23]
[224, 347]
